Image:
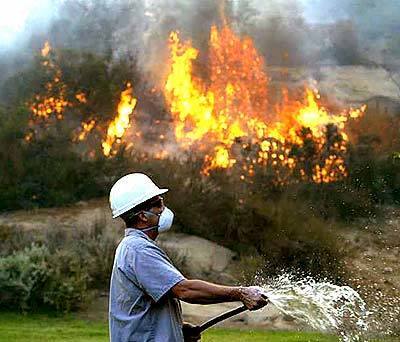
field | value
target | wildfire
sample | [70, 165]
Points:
[81, 97]
[86, 128]
[54, 99]
[46, 49]
[232, 108]
[193, 111]
[118, 126]
[217, 114]
[229, 116]
[52, 102]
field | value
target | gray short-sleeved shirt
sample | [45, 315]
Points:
[140, 308]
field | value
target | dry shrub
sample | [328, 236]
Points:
[56, 269]
[34, 278]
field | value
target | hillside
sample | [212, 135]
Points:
[372, 251]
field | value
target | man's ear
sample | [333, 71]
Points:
[143, 217]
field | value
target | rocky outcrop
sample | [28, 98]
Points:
[198, 257]
[345, 84]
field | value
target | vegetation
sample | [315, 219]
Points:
[40, 327]
[54, 269]
[270, 228]
[61, 171]
[292, 227]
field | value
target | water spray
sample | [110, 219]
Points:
[322, 306]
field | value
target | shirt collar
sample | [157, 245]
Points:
[137, 232]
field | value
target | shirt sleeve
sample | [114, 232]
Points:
[154, 272]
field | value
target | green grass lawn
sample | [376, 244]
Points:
[43, 328]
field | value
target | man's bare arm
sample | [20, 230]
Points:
[202, 292]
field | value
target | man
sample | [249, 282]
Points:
[145, 287]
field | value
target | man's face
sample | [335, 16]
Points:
[157, 206]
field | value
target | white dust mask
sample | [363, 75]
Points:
[165, 219]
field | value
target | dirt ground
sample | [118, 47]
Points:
[373, 253]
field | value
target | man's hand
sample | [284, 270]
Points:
[201, 292]
[253, 297]
[191, 333]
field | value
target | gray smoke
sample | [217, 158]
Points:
[287, 33]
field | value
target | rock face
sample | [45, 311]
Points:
[346, 84]
[357, 83]
[197, 256]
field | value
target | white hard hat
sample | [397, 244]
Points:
[130, 191]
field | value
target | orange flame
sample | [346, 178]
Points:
[238, 85]
[54, 100]
[233, 105]
[86, 128]
[46, 49]
[193, 111]
[81, 97]
[118, 126]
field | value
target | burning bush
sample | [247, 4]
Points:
[61, 98]
[46, 172]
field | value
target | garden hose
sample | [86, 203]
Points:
[222, 317]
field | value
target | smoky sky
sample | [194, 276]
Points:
[286, 32]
